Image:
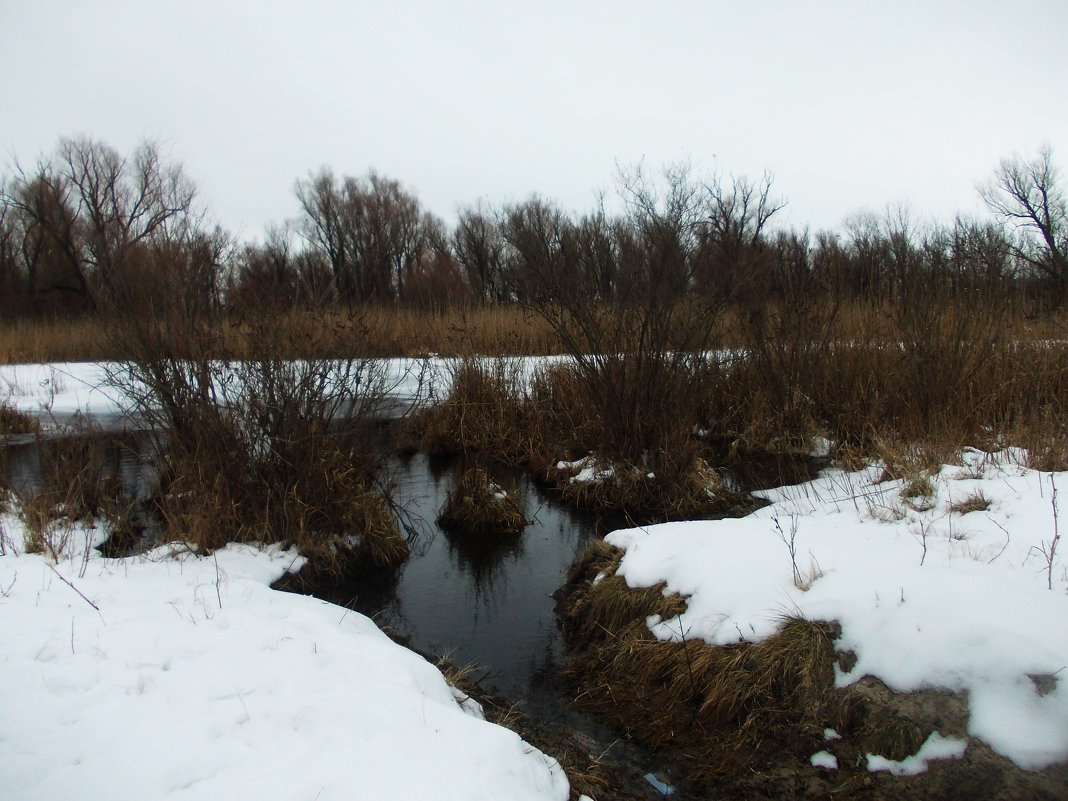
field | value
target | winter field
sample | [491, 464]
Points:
[171, 676]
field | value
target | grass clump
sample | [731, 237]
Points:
[314, 488]
[478, 506]
[893, 737]
[686, 486]
[77, 482]
[725, 708]
[484, 412]
[918, 493]
[12, 421]
[976, 502]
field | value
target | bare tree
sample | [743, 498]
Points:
[537, 259]
[14, 286]
[325, 229]
[737, 213]
[1029, 195]
[265, 276]
[372, 231]
[479, 250]
[88, 208]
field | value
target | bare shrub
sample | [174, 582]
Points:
[254, 444]
[637, 316]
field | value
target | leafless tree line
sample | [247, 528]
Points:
[88, 228]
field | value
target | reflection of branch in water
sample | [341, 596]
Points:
[483, 558]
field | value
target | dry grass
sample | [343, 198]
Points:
[381, 332]
[12, 421]
[478, 506]
[684, 487]
[726, 714]
[724, 707]
[77, 483]
[976, 502]
[485, 412]
[317, 494]
[44, 340]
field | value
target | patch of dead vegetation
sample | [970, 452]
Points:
[742, 720]
[12, 421]
[478, 506]
[976, 502]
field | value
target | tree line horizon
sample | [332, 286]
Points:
[83, 226]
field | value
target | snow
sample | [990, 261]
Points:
[61, 388]
[925, 599]
[824, 759]
[193, 679]
[934, 747]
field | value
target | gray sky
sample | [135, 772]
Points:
[852, 105]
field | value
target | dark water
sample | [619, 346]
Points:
[481, 602]
[28, 462]
[492, 605]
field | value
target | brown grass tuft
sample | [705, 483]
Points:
[725, 707]
[976, 502]
[12, 421]
[483, 413]
[77, 482]
[479, 506]
[685, 487]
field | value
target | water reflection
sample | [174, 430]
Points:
[482, 601]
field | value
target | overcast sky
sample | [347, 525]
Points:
[851, 105]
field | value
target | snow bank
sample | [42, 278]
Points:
[196, 680]
[926, 596]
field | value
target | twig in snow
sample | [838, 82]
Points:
[790, 541]
[218, 592]
[1050, 551]
[923, 526]
[64, 580]
[1007, 538]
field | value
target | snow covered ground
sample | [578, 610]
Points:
[196, 683]
[171, 676]
[928, 596]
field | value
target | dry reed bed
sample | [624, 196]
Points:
[489, 330]
[371, 331]
[867, 397]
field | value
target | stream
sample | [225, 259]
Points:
[485, 604]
